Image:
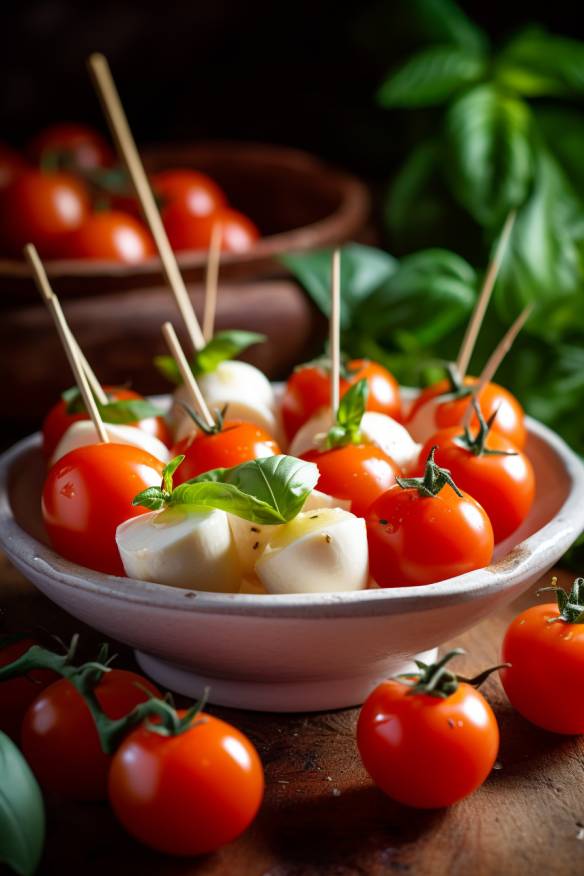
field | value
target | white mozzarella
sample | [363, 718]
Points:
[323, 550]
[316, 499]
[250, 540]
[423, 424]
[83, 432]
[193, 549]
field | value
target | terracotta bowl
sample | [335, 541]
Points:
[293, 652]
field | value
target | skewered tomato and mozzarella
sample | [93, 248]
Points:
[83, 433]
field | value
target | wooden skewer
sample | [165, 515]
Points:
[66, 337]
[211, 281]
[187, 375]
[335, 331]
[94, 383]
[476, 320]
[126, 147]
[496, 358]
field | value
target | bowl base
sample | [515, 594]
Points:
[277, 696]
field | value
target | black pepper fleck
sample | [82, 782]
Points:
[256, 545]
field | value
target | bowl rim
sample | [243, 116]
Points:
[36, 559]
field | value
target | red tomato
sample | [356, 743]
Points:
[503, 485]
[112, 236]
[510, 420]
[88, 493]
[85, 148]
[59, 738]
[545, 681]
[11, 165]
[427, 751]
[17, 694]
[186, 794]
[237, 442]
[188, 232]
[42, 208]
[58, 420]
[415, 539]
[194, 191]
[359, 473]
[308, 390]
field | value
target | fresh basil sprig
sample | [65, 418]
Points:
[222, 346]
[347, 427]
[22, 813]
[269, 490]
[122, 412]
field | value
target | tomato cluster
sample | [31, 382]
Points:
[67, 198]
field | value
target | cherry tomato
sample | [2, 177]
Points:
[17, 694]
[509, 422]
[58, 420]
[11, 165]
[186, 794]
[545, 681]
[188, 232]
[84, 147]
[110, 235]
[503, 485]
[359, 473]
[237, 442]
[427, 751]
[60, 740]
[42, 208]
[88, 493]
[308, 390]
[194, 191]
[415, 539]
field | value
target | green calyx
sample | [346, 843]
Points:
[222, 346]
[121, 412]
[436, 680]
[434, 479]
[477, 445]
[570, 604]
[457, 387]
[218, 419]
[347, 426]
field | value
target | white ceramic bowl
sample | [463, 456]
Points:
[293, 652]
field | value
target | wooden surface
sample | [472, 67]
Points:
[321, 814]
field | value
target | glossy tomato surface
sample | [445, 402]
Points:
[503, 484]
[110, 235]
[80, 145]
[42, 208]
[59, 738]
[11, 165]
[416, 540]
[188, 232]
[509, 422]
[237, 442]
[194, 191]
[427, 751]
[88, 493]
[360, 473]
[545, 681]
[187, 794]
[17, 694]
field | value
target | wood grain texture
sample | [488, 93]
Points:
[323, 817]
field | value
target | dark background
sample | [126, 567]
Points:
[301, 73]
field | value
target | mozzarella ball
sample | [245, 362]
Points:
[83, 432]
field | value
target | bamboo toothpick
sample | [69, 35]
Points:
[67, 340]
[187, 375]
[496, 358]
[94, 383]
[211, 281]
[478, 314]
[335, 331]
[126, 146]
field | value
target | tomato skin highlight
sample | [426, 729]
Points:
[17, 694]
[188, 232]
[509, 422]
[110, 235]
[88, 493]
[503, 485]
[83, 146]
[237, 442]
[545, 682]
[415, 540]
[196, 192]
[424, 751]
[360, 473]
[187, 794]
[60, 740]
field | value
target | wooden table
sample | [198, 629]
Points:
[323, 817]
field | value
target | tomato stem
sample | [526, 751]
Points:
[570, 604]
[477, 445]
[219, 419]
[433, 480]
[436, 680]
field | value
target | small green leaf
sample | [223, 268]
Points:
[444, 21]
[543, 63]
[432, 77]
[22, 814]
[222, 346]
[168, 368]
[122, 412]
[169, 470]
[153, 498]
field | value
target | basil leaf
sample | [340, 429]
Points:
[444, 21]
[22, 814]
[538, 63]
[352, 407]
[363, 268]
[567, 149]
[432, 76]
[122, 412]
[222, 346]
[153, 498]
[169, 470]
[168, 368]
